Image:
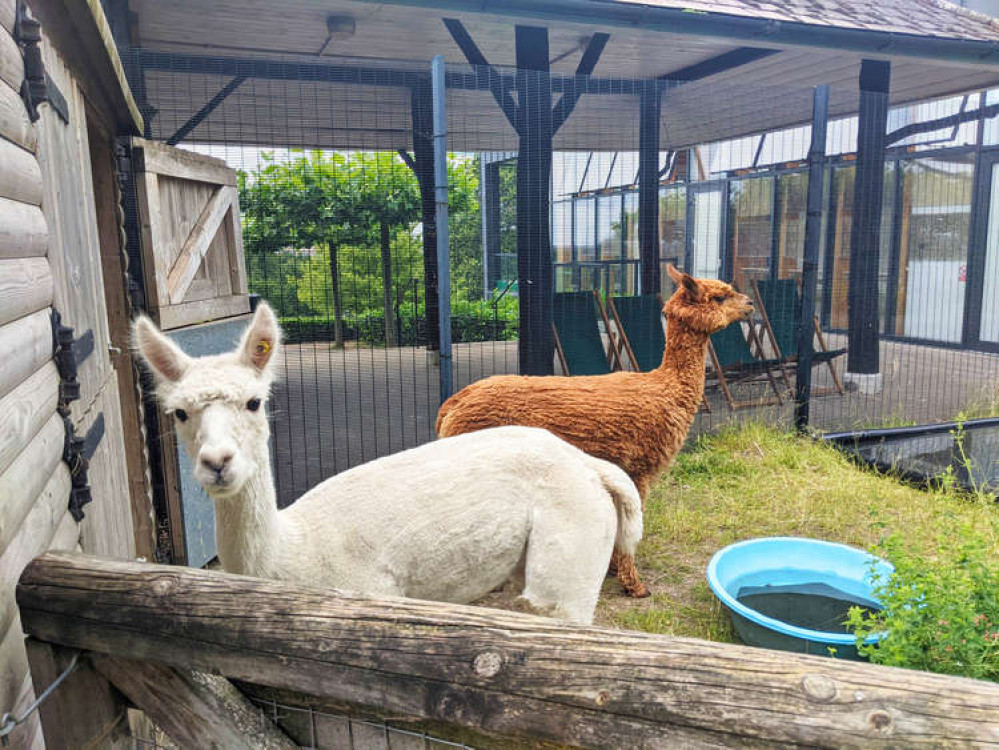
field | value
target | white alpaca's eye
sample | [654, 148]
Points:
[180, 414]
[253, 404]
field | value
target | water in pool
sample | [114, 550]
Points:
[815, 606]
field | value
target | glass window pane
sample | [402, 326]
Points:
[631, 240]
[750, 208]
[585, 229]
[609, 230]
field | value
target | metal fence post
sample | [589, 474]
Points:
[810, 264]
[443, 233]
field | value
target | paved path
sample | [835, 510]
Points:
[338, 408]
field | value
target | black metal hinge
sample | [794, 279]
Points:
[37, 86]
[69, 354]
[77, 452]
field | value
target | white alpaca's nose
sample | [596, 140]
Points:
[216, 459]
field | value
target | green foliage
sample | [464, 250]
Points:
[474, 320]
[299, 213]
[940, 615]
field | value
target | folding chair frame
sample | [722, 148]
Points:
[612, 354]
[768, 328]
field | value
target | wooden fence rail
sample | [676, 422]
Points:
[501, 673]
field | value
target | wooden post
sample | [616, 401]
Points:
[863, 357]
[195, 710]
[423, 156]
[648, 187]
[84, 711]
[535, 272]
[498, 672]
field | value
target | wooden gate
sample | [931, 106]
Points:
[192, 245]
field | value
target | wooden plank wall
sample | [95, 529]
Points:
[49, 257]
[34, 482]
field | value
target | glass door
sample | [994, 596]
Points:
[982, 310]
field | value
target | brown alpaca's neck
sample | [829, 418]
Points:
[683, 362]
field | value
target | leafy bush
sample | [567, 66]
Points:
[470, 321]
[939, 615]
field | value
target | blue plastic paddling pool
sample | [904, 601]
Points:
[793, 594]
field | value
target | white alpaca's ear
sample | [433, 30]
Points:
[688, 282]
[261, 339]
[164, 357]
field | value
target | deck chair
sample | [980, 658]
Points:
[734, 361]
[779, 305]
[640, 327]
[578, 343]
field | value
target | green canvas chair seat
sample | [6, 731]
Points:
[640, 321]
[578, 342]
[779, 304]
[733, 361]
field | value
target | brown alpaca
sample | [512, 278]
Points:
[637, 420]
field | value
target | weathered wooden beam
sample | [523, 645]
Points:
[23, 231]
[14, 123]
[11, 62]
[169, 161]
[500, 672]
[196, 710]
[31, 338]
[25, 287]
[83, 712]
[198, 242]
[25, 409]
[20, 176]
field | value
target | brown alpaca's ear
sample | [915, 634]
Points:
[688, 282]
[167, 362]
[261, 339]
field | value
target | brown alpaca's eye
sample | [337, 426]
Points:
[181, 415]
[719, 299]
[253, 404]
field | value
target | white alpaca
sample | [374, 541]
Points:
[448, 521]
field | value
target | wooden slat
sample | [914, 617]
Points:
[168, 161]
[27, 344]
[26, 478]
[14, 123]
[25, 410]
[13, 664]
[25, 287]
[500, 672]
[29, 734]
[7, 10]
[195, 710]
[20, 177]
[107, 528]
[35, 534]
[190, 313]
[234, 241]
[23, 231]
[85, 711]
[150, 222]
[11, 62]
[193, 252]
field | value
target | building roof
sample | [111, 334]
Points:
[935, 48]
[930, 18]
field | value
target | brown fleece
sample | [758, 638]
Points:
[637, 420]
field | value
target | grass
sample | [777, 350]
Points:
[751, 481]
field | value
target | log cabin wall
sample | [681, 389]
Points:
[60, 250]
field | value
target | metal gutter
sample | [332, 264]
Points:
[755, 31]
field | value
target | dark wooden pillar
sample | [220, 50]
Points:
[648, 186]
[491, 225]
[535, 271]
[865, 233]
[423, 155]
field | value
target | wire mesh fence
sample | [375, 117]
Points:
[314, 729]
[567, 184]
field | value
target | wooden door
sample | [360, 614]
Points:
[191, 240]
